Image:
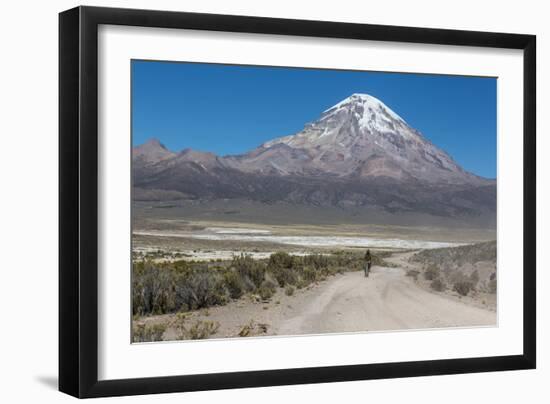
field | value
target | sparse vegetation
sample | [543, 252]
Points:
[267, 290]
[148, 333]
[438, 285]
[431, 273]
[413, 273]
[180, 286]
[235, 284]
[465, 268]
[301, 284]
[250, 270]
[201, 288]
[463, 287]
[459, 256]
[492, 286]
[199, 329]
[253, 328]
[202, 329]
[289, 290]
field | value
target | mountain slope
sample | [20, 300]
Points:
[359, 153]
[358, 137]
[151, 152]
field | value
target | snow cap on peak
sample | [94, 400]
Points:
[367, 101]
[363, 96]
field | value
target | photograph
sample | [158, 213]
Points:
[272, 201]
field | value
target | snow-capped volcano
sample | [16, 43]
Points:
[369, 113]
[359, 154]
[359, 136]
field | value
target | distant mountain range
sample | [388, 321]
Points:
[358, 154]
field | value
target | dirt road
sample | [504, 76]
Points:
[387, 300]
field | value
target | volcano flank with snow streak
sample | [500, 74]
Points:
[358, 155]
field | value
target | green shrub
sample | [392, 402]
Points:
[284, 276]
[282, 267]
[319, 262]
[201, 288]
[280, 260]
[267, 290]
[492, 286]
[249, 268]
[152, 289]
[148, 333]
[309, 274]
[456, 276]
[431, 273]
[235, 284]
[289, 290]
[463, 287]
[438, 285]
[200, 329]
[253, 328]
[181, 265]
[203, 329]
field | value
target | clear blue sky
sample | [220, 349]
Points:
[229, 109]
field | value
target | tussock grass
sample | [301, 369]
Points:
[148, 333]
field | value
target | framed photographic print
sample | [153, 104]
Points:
[251, 201]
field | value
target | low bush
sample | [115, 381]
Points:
[431, 273]
[492, 286]
[148, 332]
[235, 284]
[284, 276]
[280, 260]
[200, 329]
[438, 285]
[249, 268]
[282, 267]
[319, 261]
[201, 288]
[253, 328]
[309, 274]
[301, 284]
[267, 290]
[463, 287]
[152, 289]
[289, 290]
[455, 276]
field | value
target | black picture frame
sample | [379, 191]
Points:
[78, 201]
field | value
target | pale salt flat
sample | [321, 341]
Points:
[239, 230]
[236, 234]
[328, 241]
[227, 255]
[208, 255]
